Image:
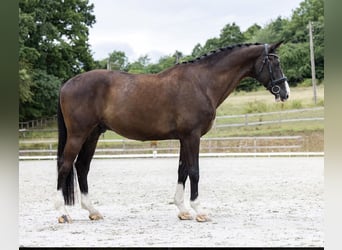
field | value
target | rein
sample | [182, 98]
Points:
[273, 85]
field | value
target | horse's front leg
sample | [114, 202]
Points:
[189, 166]
[184, 213]
[201, 215]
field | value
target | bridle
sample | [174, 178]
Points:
[273, 85]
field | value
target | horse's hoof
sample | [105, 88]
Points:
[95, 216]
[64, 219]
[202, 218]
[185, 216]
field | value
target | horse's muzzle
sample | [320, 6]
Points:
[282, 98]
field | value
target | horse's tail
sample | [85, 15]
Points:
[62, 133]
[68, 189]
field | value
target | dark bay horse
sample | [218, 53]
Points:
[177, 103]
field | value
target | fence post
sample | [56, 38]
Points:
[246, 120]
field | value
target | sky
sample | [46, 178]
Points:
[160, 27]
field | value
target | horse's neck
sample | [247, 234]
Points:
[226, 74]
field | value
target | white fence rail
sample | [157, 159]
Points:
[256, 119]
[265, 154]
[230, 146]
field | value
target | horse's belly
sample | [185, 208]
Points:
[142, 129]
[144, 134]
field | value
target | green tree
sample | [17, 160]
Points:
[211, 44]
[308, 11]
[295, 60]
[197, 50]
[118, 60]
[296, 33]
[250, 33]
[272, 32]
[164, 63]
[27, 55]
[58, 30]
[230, 34]
[25, 84]
[53, 40]
[139, 66]
[44, 101]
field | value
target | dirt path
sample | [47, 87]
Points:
[252, 202]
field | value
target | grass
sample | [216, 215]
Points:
[263, 101]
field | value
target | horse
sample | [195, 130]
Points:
[177, 103]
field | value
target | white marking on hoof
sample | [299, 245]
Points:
[95, 216]
[201, 214]
[184, 216]
[202, 218]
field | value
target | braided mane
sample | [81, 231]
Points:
[217, 51]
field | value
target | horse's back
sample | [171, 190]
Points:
[122, 102]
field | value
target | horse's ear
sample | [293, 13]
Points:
[274, 46]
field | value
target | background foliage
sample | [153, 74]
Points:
[53, 47]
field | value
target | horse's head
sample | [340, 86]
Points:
[269, 73]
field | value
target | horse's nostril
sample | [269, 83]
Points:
[287, 96]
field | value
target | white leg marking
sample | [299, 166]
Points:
[59, 205]
[197, 206]
[87, 204]
[59, 202]
[179, 198]
[179, 201]
[201, 214]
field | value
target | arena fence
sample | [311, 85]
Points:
[31, 148]
[210, 147]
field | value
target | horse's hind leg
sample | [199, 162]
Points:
[82, 167]
[65, 181]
